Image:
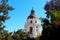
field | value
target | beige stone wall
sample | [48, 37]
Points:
[34, 26]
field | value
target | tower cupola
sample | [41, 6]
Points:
[32, 25]
[32, 15]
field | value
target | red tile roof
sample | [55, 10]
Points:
[31, 16]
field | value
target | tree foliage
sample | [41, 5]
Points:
[51, 24]
[4, 9]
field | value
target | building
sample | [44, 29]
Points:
[32, 25]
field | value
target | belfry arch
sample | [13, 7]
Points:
[31, 28]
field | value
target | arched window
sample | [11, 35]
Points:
[31, 29]
[31, 21]
[35, 21]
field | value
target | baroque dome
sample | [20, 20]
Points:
[32, 15]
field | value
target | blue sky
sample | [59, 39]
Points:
[19, 16]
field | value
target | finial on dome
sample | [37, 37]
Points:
[32, 11]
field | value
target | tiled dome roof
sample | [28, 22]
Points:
[32, 15]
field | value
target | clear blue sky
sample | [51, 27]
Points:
[19, 16]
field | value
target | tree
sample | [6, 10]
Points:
[51, 24]
[4, 9]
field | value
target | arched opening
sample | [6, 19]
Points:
[31, 28]
[31, 21]
[35, 21]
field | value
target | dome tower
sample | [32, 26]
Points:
[32, 25]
